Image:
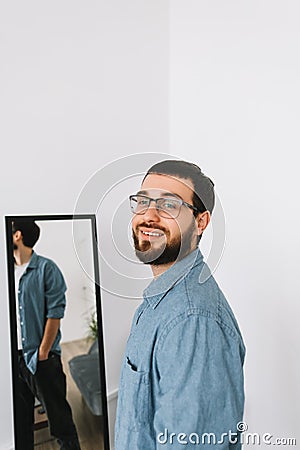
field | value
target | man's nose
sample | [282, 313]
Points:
[151, 213]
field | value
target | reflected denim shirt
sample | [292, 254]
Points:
[41, 295]
[182, 373]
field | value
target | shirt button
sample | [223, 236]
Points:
[19, 292]
[20, 307]
[25, 354]
[21, 323]
[23, 339]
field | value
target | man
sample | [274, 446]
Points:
[182, 376]
[40, 295]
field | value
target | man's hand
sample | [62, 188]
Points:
[43, 355]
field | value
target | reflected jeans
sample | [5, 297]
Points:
[48, 384]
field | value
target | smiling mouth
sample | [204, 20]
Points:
[152, 233]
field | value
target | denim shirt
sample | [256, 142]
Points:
[182, 373]
[41, 295]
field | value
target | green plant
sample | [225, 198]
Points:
[93, 327]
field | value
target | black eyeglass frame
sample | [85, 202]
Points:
[155, 200]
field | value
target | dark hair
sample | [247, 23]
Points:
[204, 195]
[30, 231]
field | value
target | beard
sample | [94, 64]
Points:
[165, 253]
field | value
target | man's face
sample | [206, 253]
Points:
[169, 239]
[15, 240]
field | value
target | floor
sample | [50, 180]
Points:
[89, 427]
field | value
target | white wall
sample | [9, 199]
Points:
[234, 110]
[82, 83]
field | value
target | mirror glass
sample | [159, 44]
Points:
[81, 342]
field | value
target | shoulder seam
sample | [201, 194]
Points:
[190, 313]
[209, 314]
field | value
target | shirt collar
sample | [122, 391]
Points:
[33, 261]
[160, 286]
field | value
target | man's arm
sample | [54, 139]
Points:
[55, 288]
[199, 362]
[50, 333]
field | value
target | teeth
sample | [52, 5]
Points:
[152, 233]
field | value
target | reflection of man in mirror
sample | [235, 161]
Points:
[40, 294]
[182, 375]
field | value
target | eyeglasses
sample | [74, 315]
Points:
[166, 207]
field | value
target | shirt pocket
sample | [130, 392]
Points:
[135, 397]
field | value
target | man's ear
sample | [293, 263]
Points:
[202, 220]
[18, 236]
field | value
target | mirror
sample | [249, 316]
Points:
[80, 348]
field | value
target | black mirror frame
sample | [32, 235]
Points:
[12, 312]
